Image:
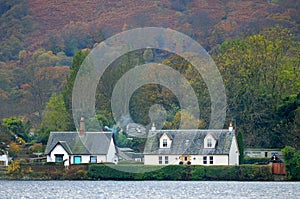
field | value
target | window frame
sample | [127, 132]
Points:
[204, 159]
[165, 142]
[94, 158]
[166, 159]
[58, 156]
[209, 143]
[159, 159]
[211, 159]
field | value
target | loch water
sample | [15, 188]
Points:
[148, 189]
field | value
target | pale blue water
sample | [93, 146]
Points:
[148, 189]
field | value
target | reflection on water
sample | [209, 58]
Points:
[148, 189]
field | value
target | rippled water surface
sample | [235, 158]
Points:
[147, 189]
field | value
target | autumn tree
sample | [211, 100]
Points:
[259, 71]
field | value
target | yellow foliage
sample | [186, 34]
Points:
[13, 167]
[14, 147]
[21, 141]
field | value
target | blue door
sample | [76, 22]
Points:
[77, 159]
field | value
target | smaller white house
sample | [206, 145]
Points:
[82, 147]
[195, 146]
[261, 152]
[3, 160]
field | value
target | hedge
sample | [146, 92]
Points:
[250, 160]
[180, 172]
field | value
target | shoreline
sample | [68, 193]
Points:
[102, 172]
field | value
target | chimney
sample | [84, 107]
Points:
[81, 127]
[153, 127]
[230, 127]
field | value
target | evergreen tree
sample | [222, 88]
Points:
[17, 127]
[55, 117]
[67, 92]
[240, 146]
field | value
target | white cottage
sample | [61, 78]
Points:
[82, 147]
[197, 147]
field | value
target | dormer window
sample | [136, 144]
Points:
[165, 143]
[209, 141]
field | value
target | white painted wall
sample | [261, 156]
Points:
[58, 149]
[87, 158]
[217, 160]
[111, 153]
[195, 159]
[110, 157]
[101, 158]
[234, 152]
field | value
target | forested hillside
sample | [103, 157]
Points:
[255, 45]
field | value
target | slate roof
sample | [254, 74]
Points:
[190, 142]
[89, 144]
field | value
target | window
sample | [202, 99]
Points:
[166, 159]
[209, 143]
[205, 160]
[77, 159]
[211, 159]
[185, 158]
[165, 143]
[59, 157]
[160, 159]
[93, 159]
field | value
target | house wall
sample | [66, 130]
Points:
[111, 153]
[58, 150]
[84, 158]
[87, 158]
[234, 152]
[194, 159]
[217, 160]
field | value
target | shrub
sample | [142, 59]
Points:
[221, 173]
[249, 160]
[180, 172]
[292, 162]
[198, 173]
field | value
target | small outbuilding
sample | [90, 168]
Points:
[3, 160]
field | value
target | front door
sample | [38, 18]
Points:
[77, 159]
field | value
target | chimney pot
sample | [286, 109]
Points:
[230, 127]
[153, 127]
[81, 127]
